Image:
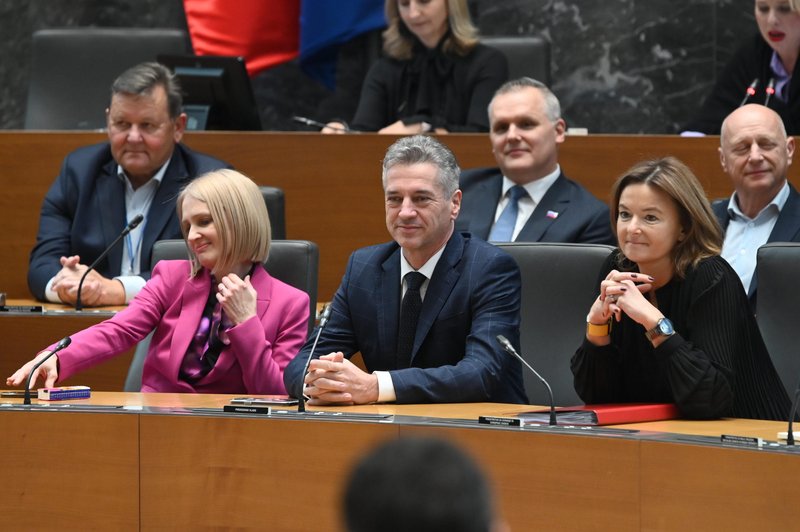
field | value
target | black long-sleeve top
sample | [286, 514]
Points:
[751, 61]
[446, 90]
[715, 365]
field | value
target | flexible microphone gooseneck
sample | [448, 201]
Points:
[789, 433]
[770, 90]
[513, 352]
[59, 346]
[323, 320]
[316, 123]
[128, 228]
[749, 92]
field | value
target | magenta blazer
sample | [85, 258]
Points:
[173, 303]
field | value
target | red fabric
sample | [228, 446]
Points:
[264, 32]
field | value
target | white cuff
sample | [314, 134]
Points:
[385, 387]
[133, 284]
[49, 294]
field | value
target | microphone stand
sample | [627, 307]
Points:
[323, 320]
[61, 345]
[128, 228]
[513, 352]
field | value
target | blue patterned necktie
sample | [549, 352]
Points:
[409, 316]
[503, 229]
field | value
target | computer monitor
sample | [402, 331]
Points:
[217, 93]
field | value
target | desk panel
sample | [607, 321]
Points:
[64, 471]
[24, 335]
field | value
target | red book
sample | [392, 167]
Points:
[607, 414]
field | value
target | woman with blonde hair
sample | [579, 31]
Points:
[222, 323]
[671, 322]
[435, 75]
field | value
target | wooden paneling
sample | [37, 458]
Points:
[332, 182]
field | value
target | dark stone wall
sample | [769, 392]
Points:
[618, 66]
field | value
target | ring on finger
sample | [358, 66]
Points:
[612, 298]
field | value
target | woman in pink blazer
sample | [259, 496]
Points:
[222, 323]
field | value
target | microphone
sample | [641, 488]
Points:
[749, 92]
[59, 346]
[770, 90]
[323, 321]
[128, 228]
[789, 433]
[513, 352]
[315, 123]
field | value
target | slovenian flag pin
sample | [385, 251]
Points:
[552, 214]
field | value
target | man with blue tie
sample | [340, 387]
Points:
[423, 310]
[528, 198]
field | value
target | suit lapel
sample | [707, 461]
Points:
[193, 301]
[163, 206]
[556, 199]
[441, 284]
[488, 196]
[388, 305]
[788, 223]
[111, 210]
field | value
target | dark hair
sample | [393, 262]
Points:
[419, 485]
[142, 78]
[703, 236]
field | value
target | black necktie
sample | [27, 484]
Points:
[409, 315]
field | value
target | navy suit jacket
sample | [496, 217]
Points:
[473, 295]
[787, 228]
[84, 211]
[582, 218]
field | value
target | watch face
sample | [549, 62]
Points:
[665, 327]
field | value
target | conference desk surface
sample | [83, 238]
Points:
[176, 461]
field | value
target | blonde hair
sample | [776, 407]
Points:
[398, 40]
[240, 217]
[703, 236]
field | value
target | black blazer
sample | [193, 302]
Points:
[84, 211]
[787, 228]
[582, 218]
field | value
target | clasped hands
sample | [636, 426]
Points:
[624, 292]
[334, 380]
[97, 290]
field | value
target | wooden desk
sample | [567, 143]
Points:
[332, 182]
[191, 471]
[25, 334]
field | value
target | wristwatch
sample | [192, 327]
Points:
[663, 328]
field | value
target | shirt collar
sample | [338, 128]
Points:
[158, 177]
[537, 188]
[426, 269]
[777, 203]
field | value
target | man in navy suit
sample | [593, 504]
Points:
[756, 153]
[101, 188]
[469, 292]
[528, 198]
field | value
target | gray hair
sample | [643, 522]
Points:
[552, 108]
[424, 149]
[142, 78]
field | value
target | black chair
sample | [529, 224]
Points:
[528, 55]
[295, 262]
[72, 70]
[559, 282]
[778, 271]
[276, 207]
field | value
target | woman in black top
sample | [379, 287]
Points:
[672, 322]
[435, 76]
[767, 60]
